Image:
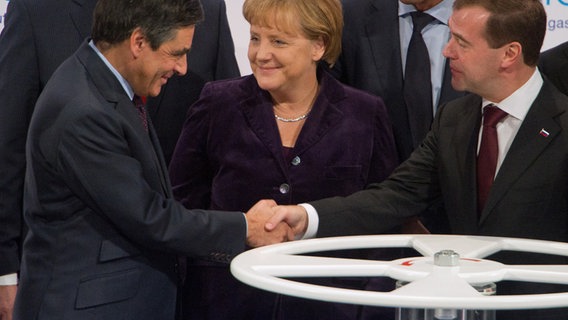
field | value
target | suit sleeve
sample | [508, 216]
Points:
[103, 167]
[19, 89]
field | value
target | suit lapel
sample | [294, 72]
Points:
[257, 110]
[325, 114]
[81, 12]
[149, 139]
[464, 147]
[111, 89]
[528, 144]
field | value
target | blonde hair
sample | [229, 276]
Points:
[315, 18]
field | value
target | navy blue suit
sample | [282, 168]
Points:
[104, 229]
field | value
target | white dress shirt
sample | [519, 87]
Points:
[517, 106]
[9, 279]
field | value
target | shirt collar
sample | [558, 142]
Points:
[519, 103]
[123, 82]
[442, 11]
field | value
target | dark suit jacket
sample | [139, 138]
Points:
[37, 37]
[230, 155]
[370, 60]
[103, 224]
[529, 198]
[554, 64]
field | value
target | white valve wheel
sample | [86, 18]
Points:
[430, 286]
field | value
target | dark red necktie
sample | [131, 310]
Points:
[139, 104]
[488, 152]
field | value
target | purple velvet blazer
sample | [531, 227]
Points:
[229, 154]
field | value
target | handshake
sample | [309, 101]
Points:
[269, 223]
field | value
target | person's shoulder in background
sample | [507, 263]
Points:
[553, 63]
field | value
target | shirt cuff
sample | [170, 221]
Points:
[9, 280]
[313, 222]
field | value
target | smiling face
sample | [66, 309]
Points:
[283, 60]
[155, 67]
[474, 64]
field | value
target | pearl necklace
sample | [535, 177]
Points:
[300, 118]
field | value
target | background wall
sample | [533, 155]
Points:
[3, 5]
[557, 31]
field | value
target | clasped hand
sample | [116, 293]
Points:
[269, 223]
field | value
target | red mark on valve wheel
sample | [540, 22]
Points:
[407, 263]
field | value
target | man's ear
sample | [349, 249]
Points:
[137, 42]
[513, 54]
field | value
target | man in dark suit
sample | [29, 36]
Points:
[493, 56]
[554, 65]
[376, 37]
[104, 229]
[37, 37]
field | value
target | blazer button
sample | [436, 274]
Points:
[296, 161]
[284, 188]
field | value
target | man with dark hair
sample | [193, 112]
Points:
[38, 36]
[104, 229]
[497, 158]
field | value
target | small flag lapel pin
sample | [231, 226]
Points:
[544, 133]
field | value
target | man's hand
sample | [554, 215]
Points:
[294, 216]
[256, 220]
[7, 297]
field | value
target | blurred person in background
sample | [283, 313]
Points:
[554, 65]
